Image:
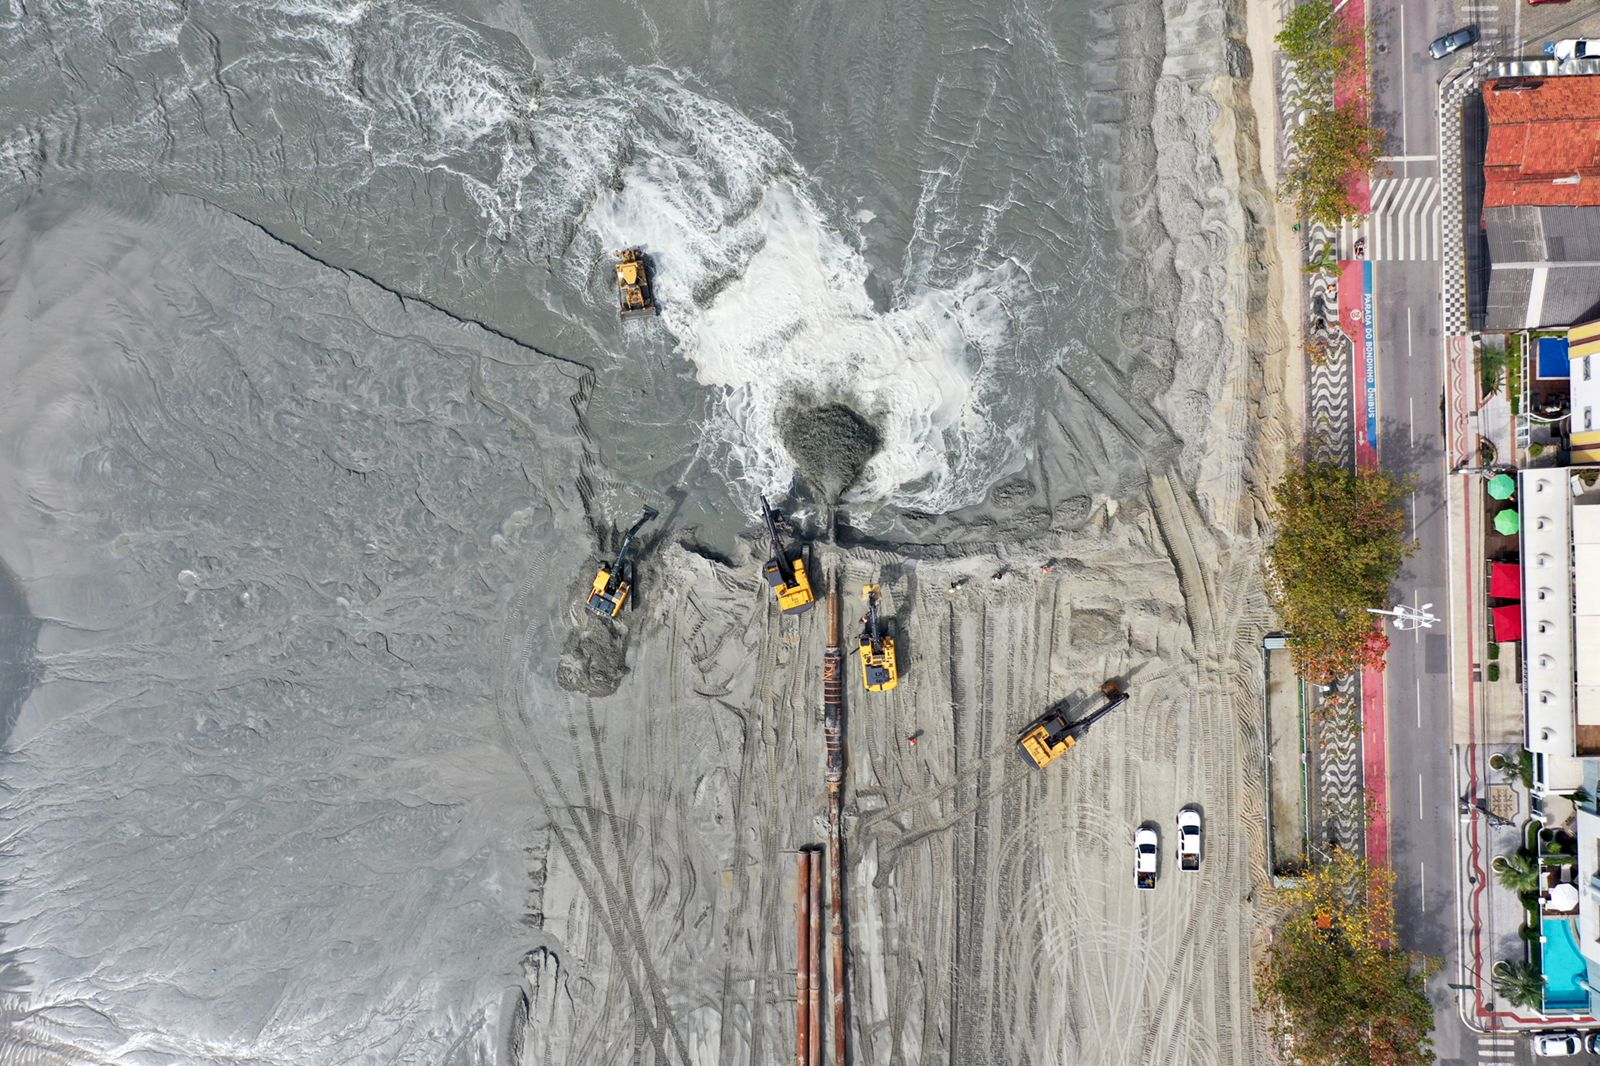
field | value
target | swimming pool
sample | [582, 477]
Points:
[1564, 968]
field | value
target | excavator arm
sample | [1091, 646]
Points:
[613, 581]
[788, 577]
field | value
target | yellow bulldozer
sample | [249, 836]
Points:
[1052, 736]
[879, 671]
[635, 296]
[786, 571]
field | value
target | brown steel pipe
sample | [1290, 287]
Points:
[803, 964]
[836, 923]
[815, 1006]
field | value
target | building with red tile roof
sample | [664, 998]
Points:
[1544, 142]
[1541, 202]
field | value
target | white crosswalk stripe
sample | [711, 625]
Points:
[1496, 1047]
[1403, 225]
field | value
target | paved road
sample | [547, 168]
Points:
[1411, 442]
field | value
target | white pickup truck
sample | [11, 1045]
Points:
[1145, 847]
[1189, 838]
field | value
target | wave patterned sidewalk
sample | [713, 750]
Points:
[1337, 787]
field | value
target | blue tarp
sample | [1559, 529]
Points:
[1553, 358]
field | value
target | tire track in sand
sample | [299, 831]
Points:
[652, 1012]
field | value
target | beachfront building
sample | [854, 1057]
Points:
[1561, 618]
[1583, 373]
[1560, 576]
[1541, 202]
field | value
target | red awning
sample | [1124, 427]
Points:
[1508, 623]
[1505, 581]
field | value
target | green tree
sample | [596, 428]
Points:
[1331, 146]
[1519, 982]
[1518, 871]
[1491, 361]
[1518, 768]
[1343, 993]
[1322, 48]
[1341, 540]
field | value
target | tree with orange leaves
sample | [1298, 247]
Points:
[1343, 993]
[1341, 540]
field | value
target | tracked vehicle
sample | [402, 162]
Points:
[786, 570]
[1052, 736]
[879, 670]
[635, 294]
[613, 581]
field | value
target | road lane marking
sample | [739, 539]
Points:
[1413, 514]
[1419, 703]
[1411, 418]
[1422, 881]
[1403, 54]
[1419, 797]
[1407, 158]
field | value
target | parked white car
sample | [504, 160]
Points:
[1573, 48]
[1146, 845]
[1557, 1045]
[1189, 838]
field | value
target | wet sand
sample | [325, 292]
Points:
[304, 509]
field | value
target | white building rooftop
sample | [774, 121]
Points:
[1546, 504]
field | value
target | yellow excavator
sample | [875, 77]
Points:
[786, 571]
[879, 671]
[614, 580]
[1052, 736]
[635, 296]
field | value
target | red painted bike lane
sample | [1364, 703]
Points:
[1356, 313]
[1374, 718]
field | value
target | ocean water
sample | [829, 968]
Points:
[893, 209]
[315, 378]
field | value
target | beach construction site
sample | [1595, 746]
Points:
[970, 852]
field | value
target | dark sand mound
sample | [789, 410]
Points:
[830, 445]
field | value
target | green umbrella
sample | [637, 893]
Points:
[1502, 486]
[1507, 521]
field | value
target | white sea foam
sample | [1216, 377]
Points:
[760, 281]
[770, 303]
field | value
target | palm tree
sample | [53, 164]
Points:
[1519, 982]
[1518, 871]
[1523, 770]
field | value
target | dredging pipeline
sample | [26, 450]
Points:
[815, 1006]
[803, 963]
[833, 735]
